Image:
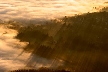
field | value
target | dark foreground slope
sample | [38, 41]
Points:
[80, 41]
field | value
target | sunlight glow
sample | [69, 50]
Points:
[48, 9]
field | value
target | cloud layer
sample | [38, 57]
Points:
[46, 8]
[10, 48]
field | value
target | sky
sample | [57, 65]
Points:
[49, 9]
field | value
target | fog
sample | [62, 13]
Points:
[47, 8]
[10, 48]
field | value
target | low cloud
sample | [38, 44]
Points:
[10, 48]
[47, 8]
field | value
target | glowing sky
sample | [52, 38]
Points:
[46, 8]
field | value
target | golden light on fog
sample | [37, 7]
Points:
[47, 9]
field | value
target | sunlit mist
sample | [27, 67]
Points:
[10, 48]
[47, 8]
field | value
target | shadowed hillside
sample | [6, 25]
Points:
[81, 42]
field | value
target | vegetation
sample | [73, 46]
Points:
[80, 41]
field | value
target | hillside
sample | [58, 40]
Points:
[81, 42]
